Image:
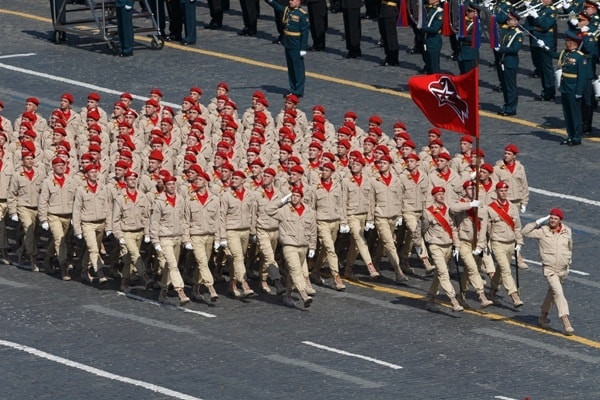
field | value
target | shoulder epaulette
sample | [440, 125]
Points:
[580, 52]
[303, 10]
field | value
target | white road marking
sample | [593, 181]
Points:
[154, 303]
[13, 284]
[17, 55]
[346, 353]
[98, 372]
[573, 271]
[79, 83]
[326, 371]
[504, 398]
[565, 196]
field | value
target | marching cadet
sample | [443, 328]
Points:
[22, 202]
[72, 118]
[444, 176]
[295, 41]
[168, 228]
[328, 196]
[468, 219]
[441, 236]
[433, 37]
[237, 221]
[6, 171]
[556, 246]
[575, 76]
[387, 196]
[93, 104]
[298, 240]
[462, 160]
[203, 231]
[130, 224]
[91, 209]
[512, 171]
[55, 208]
[508, 50]
[468, 56]
[38, 122]
[504, 230]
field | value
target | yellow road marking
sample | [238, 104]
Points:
[484, 314]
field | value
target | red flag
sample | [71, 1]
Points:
[446, 28]
[449, 101]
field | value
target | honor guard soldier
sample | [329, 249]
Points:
[468, 56]
[352, 27]
[295, 41]
[556, 245]
[433, 36]
[124, 9]
[508, 49]
[189, 16]
[317, 16]
[504, 231]
[588, 26]
[388, 30]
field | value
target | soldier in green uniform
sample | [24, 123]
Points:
[543, 46]
[433, 36]
[295, 41]
[125, 26]
[574, 77]
[468, 55]
[509, 47]
[501, 10]
[588, 26]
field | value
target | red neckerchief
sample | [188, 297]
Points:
[153, 120]
[557, 230]
[315, 164]
[415, 175]
[357, 179]
[202, 197]
[67, 114]
[369, 159]
[239, 194]
[502, 211]
[60, 180]
[132, 196]
[67, 170]
[230, 154]
[344, 161]
[120, 184]
[29, 174]
[387, 180]
[92, 187]
[257, 182]
[467, 158]
[327, 185]
[217, 174]
[510, 167]
[445, 175]
[171, 199]
[487, 186]
[167, 140]
[439, 213]
[0, 165]
[299, 209]
[269, 193]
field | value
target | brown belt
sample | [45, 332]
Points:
[389, 3]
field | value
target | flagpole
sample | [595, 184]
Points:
[477, 164]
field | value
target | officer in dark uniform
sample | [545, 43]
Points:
[501, 11]
[175, 11]
[433, 36]
[317, 17]
[158, 9]
[249, 16]
[295, 41]
[124, 9]
[189, 15]
[574, 77]
[468, 55]
[352, 27]
[216, 14]
[388, 15]
[543, 46]
[509, 47]
[588, 26]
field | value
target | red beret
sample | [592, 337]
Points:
[413, 156]
[58, 160]
[260, 118]
[60, 131]
[287, 148]
[386, 158]
[95, 138]
[319, 118]
[126, 154]
[292, 98]
[254, 150]
[270, 171]
[30, 146]
[360, 159]
[228, 166]
[96, 148]
[90, 167]
[488, 167]
[169, 178]
[131, 173]
[344, 130]
[375, 119]
[196, 89]
[557, 212]
[298, 190]
[156, 92]
[239, 174]
[345, 143]
[191, 158]
[223, 144]
[33, 100]
[189, 99]
[87, 156]
[376, 130]
[68, 97]
[263, 101]
[196, 168]
[435, 131]
[65, 144]
[383, 149]
[320, 108]
[467, 184]
[512, 148]
[126, 96]
[221, 154]
[438, 189]
[319, 136]
[258, 162]
[121, 105]
[204, 175]
[94, 96]
[466, 138]
[400, 124]
[351, 114]
[289, 120]
[223, 85]
[97, 128]
[31, 133]
[152, 102]
[131, 112]
[122, 164]
[329, 165]
[297, 169]
[329, 156]
[370, 139]
[316, 145]
[25, 154]
[295, 159]
[436, 141]
[29, 115]
[93, 114]
[404, 135]
[501, 185]
[167, 120]
[445, 156]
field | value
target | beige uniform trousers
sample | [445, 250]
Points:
[385, 229]
[92, 235]
[3, 233]
[267, 243]
[168, 257]
[327, 232]
[555, 292]
[440, 255]
[203, 245]
[503, 253]
[488, 261]
[470, 267]
[412, 233]
[358, 243]
[28, 218]
[60, 229]
[237, 242]
[133, 258]
[295, 257]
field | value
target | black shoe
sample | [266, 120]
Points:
[574, 143]
[534, 75]
[125, 54]
[352, 54]
[390, 64]
[566, 141]
[251, 33]
[541, 97]
[243, 32]
[454, 56]
[174, 37]
[506, 114]
[186, 43]
[498, 89]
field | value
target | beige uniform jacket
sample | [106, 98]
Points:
[453, 186]
[464, 223]
[204, 218]
[328, 203]
[413, 193]
[129, 216]
[294, 229]
[357, 200]
[6, 172]
[23, 192]
[435, 233]
[499, 230]
[387, 199]
[555, 247]
[90, 207]
[168, 221]
[518, 189]
[236, 214]
[263, 219]
[55, 199]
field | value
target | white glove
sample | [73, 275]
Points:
[454, 252]
[399, 222]
[223, 243]
[578, 96]
[286, 198]
[533, 13]
[574, 21]
[79, 236]
[188, 246]
[302, 53]
[14, 218]
[486, 3]
[216, 245]
[45, 225]
[477, 251]
[146, 239]
[253, 238]
[122, 242]
[311, 253]
[344, 228]
[523, 208]
[542, 221]
[497, 49]
[559, 6]
[369, 226]
[526, 3]
[108, 233]
[566, 4]
[585, 28]
[474, 204]
[128, 7]
[419, 250]
[158, 248]
[540, 43]
[472, 175]
[518, 248]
